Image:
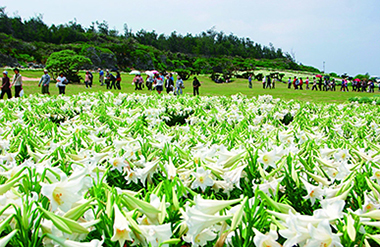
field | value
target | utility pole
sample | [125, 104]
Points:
[323, 66]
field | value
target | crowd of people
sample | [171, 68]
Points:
[160, 81]
[154, 81]
[319, 83]
[165, 81]
[108, 79]
[268, 81]
[6, 87]
[325, 84]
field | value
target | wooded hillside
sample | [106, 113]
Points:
[30, 42]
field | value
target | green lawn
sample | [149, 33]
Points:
[208, 88]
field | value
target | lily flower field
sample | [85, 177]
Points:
[104, 169]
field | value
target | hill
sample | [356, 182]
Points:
[28, 43]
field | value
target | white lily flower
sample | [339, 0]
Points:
[147, 172]
[70, 243]
[118, 163]
[234, 175]
[323, 236]
[227, 187]
[202, 238]
[197, 221]
[63, 194]
[330, 210]
[212, 206]
[171, 170]
[131, 175]
[297, 231]
[265, 240]
[202, 179]
[376, 174]
[326, 152]
[313, 192]
[153, 218]
[156, 234]
[369, 203]
[341, 155]
[268, 158]
[121, 230]
[302, 136]
[269, 187]
[285, 137]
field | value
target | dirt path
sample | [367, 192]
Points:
[24, 78]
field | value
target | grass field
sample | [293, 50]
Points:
[208, 88]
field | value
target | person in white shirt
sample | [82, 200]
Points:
[179, 85]
[17, 82]
[61, 83]
[264, 80]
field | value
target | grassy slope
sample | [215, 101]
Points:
[208, 88]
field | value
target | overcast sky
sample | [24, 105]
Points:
[345, 34]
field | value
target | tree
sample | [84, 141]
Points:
[67, 62]
[103, 27]
[127, 32]
[363, 77]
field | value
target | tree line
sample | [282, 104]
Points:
[209, 43]
[32, 41]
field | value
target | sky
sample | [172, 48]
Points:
[343, 35]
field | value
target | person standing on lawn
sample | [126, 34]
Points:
[269, 82]
[107, 80]
[354, 84]
[314, 85]
[91, 78]
[250, 81]
[320, 83]
[294, 83]
[196, 85]
[371, 87]
[172, 78]
[118, 80]
[179, 85]
[169, 84]
[333, 84]
[158, 83]
[113, 80]
[325, 83]
[264, 80]
[87, 79]
[101, 76]
[141, 82]
[17, 82]
[289, 83]
[149, 82]
[61, 83]
[136, 81]
[45, 81]
[6, 86]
